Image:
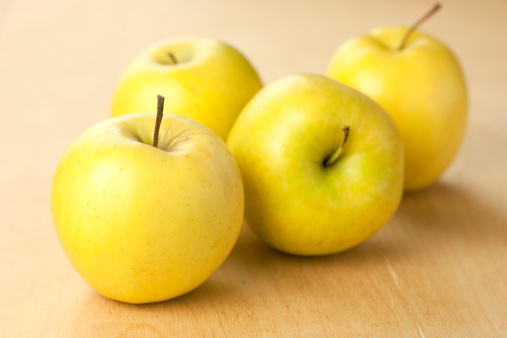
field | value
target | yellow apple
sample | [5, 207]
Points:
[204, 79]
[308, 189]
[420, 85]
[143, 224]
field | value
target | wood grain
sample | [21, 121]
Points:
[438, 268]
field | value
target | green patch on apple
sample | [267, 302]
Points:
[296, 199]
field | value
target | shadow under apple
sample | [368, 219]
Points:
[447, 212]
[440, 216]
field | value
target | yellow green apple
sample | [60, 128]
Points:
[141, 223]
[310, 189]
[420, 84]
[204, 79]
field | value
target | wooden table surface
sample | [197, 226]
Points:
[438, 268]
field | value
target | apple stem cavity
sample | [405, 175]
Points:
[172, 57]
[160, 113]
[417, 24]
[332, 159]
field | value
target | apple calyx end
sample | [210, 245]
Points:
[160, 113]
[334, 157]
[425, 17]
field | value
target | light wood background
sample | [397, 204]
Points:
[438, 268]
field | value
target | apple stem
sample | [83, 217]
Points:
[160, 113]
[332, 159]
[418, 23]
[172, 57]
